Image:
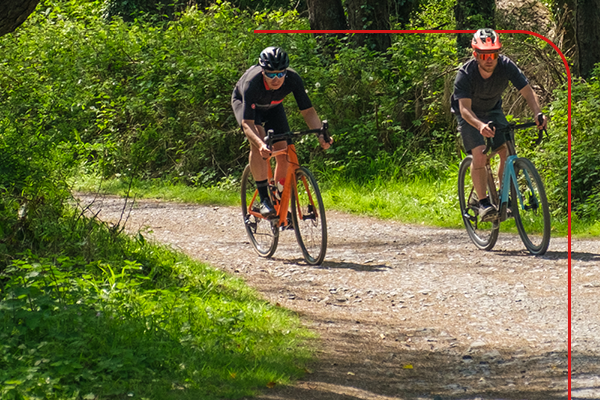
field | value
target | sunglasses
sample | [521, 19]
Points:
[272, 75]
[486, 56]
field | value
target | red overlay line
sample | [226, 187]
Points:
[569, 82]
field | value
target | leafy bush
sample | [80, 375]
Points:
[148, 100]
[585, 151]
[151, 99]
[71, 329]
[155, 10]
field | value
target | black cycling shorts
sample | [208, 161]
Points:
[471, 136]
[273, 118]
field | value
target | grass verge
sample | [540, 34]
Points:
[415, 201]
[146, 323]
[225, 194]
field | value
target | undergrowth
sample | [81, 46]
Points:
[423, 199]
[137, 320]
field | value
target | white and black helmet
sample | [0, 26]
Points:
[273, 59]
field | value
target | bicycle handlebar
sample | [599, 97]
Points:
[272, 137]
[514, 126]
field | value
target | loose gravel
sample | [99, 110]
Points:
[408, 311]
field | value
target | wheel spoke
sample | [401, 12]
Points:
[484, 234]
[308, 215]
[530, 208]
[263, 236]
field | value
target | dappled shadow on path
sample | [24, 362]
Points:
[581, 256]
[407, 363]
[364, 267]
[551, 255]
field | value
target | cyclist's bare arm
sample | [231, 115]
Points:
[468, 115]
[253, 135]
[532, 101]
[314, 122]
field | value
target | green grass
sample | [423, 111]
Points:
[225, 194]
[414, 201]
[585, 229]
[418, 200]
[148, 324]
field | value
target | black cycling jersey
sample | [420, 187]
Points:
[255, 95]
[486, 94]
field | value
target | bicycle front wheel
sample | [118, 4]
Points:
[308, 217]
[530, 207]
[263, 234]
[483, 234]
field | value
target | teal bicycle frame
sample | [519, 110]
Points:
[510, 177]
[521, 196]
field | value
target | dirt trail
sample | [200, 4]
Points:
[405, 311]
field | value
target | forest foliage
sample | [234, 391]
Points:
[85, 91]
[150, 98]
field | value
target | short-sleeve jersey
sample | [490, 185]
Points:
[254, 93]
[486, 94]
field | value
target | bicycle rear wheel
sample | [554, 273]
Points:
[483, 234]
[530, 207]
[263, 233]
[308, 217]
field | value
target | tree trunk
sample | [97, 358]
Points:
[13, 13]
[370, 14]
[326, 14]
[564, 14]
[403, 10]
[587, 15]
[472, 15]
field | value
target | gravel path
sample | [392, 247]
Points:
[409, 312]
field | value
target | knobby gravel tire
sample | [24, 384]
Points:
[263, 234]
[531, 211]
[483, 234]
[308, 216]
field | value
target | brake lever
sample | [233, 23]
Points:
[325, 131]
[270, 133]
[541, 132]
[488, 141]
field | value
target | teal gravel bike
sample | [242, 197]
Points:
[521, 196]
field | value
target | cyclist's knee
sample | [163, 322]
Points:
[281, 145]
[503, 153]
[479, 159]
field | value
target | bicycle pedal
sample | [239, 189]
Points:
[470, 217]
[490, 217]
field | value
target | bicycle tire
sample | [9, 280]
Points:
[483, 234]
[263, 233]
[530, 209]
[308, 218]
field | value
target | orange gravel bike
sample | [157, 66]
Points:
[306, 216]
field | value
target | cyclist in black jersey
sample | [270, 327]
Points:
[257, 104]
[477, 101]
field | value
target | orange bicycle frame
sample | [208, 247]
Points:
[282, 205]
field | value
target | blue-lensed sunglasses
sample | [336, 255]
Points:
[272, 75]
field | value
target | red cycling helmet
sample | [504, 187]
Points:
[486, 40]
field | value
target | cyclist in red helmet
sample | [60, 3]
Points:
[477, 101]
[257, 104]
